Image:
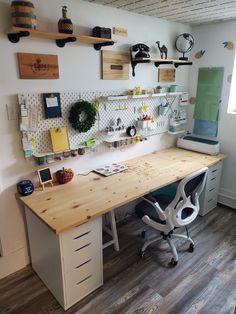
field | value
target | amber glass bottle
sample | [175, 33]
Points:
[64, 24]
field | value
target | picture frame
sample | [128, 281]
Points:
[52, 105]
[45, 176]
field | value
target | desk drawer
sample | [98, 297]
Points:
[208, 198]
[81, 244]
[209, 205]
[81, 273]
[79, 232]
[81, 289]
[215, 170]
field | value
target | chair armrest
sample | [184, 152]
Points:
[157, 207]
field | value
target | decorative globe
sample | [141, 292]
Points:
[184, 43]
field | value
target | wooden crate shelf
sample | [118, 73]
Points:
[15, 33]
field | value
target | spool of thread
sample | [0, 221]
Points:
[23, 14]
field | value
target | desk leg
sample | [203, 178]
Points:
[112, 232]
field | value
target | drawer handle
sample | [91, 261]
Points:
[82, 235]
[83, 264]
[210, 200]
[78, 283]
[211, 190]
[82, 247]
[213, 178]
[214, 171]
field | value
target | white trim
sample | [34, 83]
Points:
[227, 198]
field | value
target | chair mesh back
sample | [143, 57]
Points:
[191, 187]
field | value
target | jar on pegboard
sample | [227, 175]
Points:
[64, 24]
[23, 14]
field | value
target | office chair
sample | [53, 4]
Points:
[165, 213]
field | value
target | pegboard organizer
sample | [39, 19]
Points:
[128, 110]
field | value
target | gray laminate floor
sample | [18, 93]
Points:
[202, 282]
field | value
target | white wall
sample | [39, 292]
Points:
[210, 38]
[79, 70]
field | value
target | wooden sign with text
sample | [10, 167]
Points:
[38, 66]
[120, 31]
[166, 75]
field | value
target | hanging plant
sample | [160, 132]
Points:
[82, 116]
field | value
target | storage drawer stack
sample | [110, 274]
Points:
[70, 264]
[82, 254]
[209, 196]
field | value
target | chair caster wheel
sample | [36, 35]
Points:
[173, 263]
[143, 234]
[191, 248]
[142, 254]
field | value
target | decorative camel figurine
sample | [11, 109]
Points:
[163, 50]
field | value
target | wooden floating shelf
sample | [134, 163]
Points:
[158, 62]
[15, 33]
[163, 61]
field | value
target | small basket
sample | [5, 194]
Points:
[64, 177]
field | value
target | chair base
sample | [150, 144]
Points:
[168, 237]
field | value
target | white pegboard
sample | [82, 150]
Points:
[107, 113]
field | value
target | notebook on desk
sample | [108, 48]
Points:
[109, 170]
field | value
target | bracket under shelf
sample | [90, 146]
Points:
[62, 42]
[100, 45]
[15, 37]
[157, 62]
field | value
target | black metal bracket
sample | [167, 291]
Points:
[157, 63]
[15, 37]
[100, 45]
[62, 42]
[134, 63]
[184, 63]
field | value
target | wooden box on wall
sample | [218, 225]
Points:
[166, 75]
[115, 65]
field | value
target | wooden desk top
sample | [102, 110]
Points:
[62, 207]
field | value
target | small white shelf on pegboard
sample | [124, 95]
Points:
[177, 132]
[141, 96]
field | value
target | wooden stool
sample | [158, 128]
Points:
[111, 231]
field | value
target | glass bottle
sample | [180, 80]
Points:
[64, 24]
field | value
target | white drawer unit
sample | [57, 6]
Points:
[70, 264]
[209, 196]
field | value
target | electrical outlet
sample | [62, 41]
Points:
[12, 111]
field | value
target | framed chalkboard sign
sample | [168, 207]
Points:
[45, 176]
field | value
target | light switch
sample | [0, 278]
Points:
[12, 111]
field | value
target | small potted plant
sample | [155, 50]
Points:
[64, 175]
[159, 89]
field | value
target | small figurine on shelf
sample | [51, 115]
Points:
[163, 50]
[64, 24]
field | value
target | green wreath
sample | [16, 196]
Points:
[76, 110]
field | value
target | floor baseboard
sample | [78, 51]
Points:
[227, 198]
